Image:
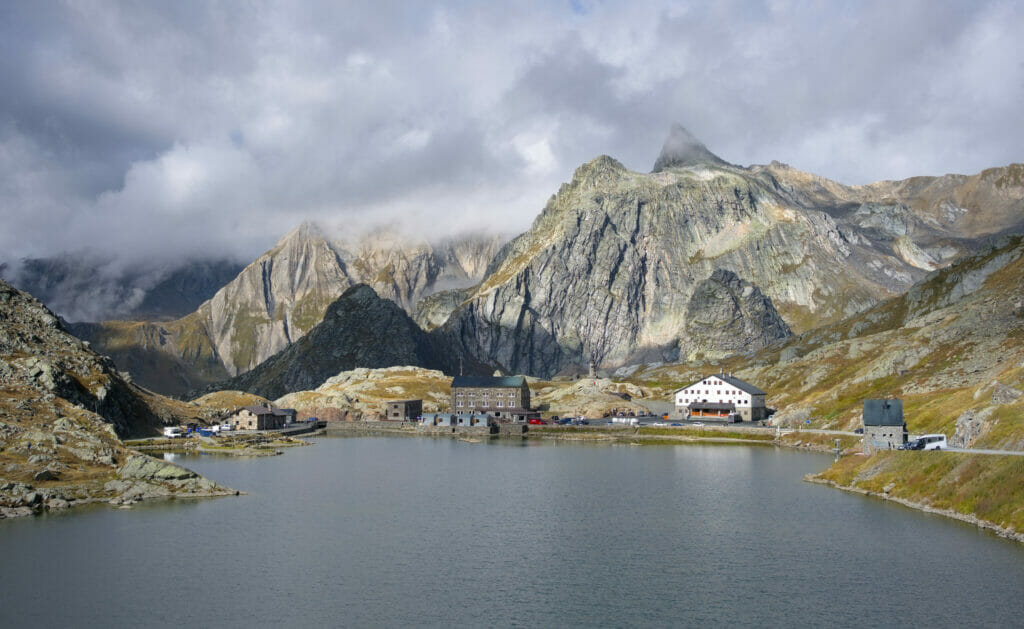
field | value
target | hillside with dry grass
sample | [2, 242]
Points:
[952, 348]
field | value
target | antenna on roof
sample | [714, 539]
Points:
[460, 365]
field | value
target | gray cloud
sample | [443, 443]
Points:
[157, 131]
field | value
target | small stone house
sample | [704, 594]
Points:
[403, 409]
[884, 427]
[261, 417]
[501, 397]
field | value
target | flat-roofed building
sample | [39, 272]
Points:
[403, 409]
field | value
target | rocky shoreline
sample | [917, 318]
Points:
[140, 478]
[949, 513]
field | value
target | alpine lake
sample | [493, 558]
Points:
[399, 532]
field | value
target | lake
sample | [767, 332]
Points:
[370, 532]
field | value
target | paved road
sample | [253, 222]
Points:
[977, 451]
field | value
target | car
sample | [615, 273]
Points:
[173, 432]
[913, 444]
[697, 424]
[675, 424]
[554, 418]
[537, 421]
[565, 421]
[858, 431]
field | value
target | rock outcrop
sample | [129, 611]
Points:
[63, 408]
[727, 316]
[358, 330]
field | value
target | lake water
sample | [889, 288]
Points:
[395, 532]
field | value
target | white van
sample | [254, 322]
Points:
[173, 431]
[928, 442]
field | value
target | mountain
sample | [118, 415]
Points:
[951, 347]
[360, 329]
[89, 288]
[610, 266]
[682, 149]
[278, 298]
[63, 408]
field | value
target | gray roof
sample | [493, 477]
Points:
[883, 412]
[482, 382]
[746, 387]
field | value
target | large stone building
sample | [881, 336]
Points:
[884, 427]
[260, 417]
[722, 397]
[502, 397]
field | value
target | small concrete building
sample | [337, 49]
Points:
[721, 397]
[501, 397]
[452, 420]
[403, 409]
[260, 417]
[884, 426]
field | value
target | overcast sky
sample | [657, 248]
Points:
[162, 130]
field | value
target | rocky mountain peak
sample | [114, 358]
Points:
[683, 149]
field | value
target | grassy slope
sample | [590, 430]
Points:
[990, 488]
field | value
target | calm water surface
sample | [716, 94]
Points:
[422, 532]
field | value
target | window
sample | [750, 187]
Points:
[460, 403]
[459, 394]
[500, 403]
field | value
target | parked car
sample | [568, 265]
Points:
[697, 424]
[172, 432]
[565, 421]
[858, 431]
[675, 424]
[537, 421]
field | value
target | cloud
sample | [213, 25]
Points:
[155, 132]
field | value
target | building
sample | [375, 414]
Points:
[468, 420]
[403, 409]
[502, 397]
[722, 397]
[884, 427]
[260, 417]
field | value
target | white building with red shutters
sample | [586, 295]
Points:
[722, 397]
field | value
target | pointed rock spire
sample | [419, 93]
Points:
[682, 149]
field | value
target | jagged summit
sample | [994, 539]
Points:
[682, 149]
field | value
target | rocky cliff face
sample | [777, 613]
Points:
[62, 409]
[609, 268]
[727, 315]
[280, 297]
[360, 329]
